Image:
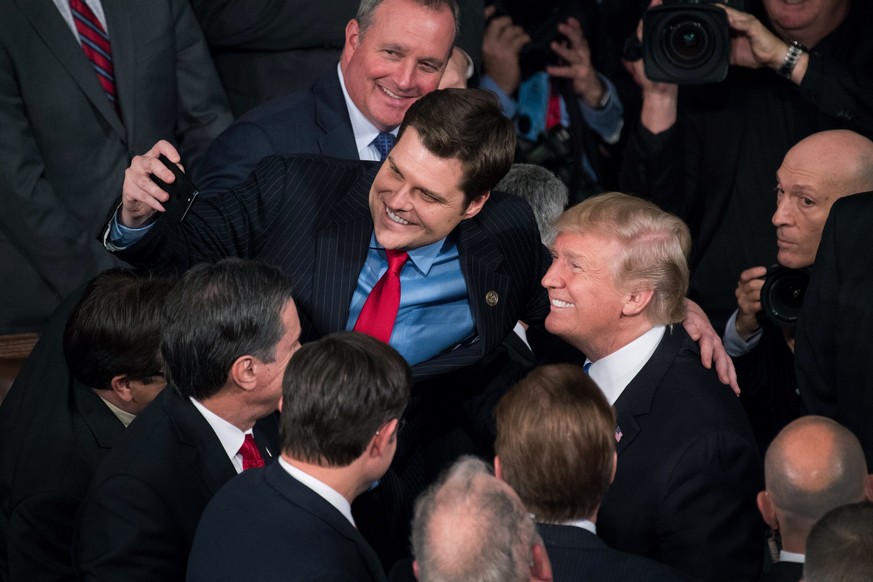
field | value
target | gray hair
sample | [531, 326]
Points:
[546, 194]
[367, 12]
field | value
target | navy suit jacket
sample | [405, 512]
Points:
[282, 531]
[784, 572]
[310, 216]
[138, 520]
[311, 121]
[578, 554]
[688, 470]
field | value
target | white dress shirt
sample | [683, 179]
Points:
[96, 7]
[230, 436]
[614, 372]
[365, 132]
[323, 490]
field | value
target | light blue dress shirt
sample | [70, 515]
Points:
[434, 313]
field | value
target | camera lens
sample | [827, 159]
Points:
[783, 293]
[687, 43]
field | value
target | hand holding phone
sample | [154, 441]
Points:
[182, 191]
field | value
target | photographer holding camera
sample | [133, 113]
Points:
[539, 60]
[815, 173]
[707, 151]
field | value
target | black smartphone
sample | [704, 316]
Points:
[182, 191]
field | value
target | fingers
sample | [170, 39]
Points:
[752, 273]
[141, 196]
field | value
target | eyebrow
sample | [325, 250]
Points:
[435, 195]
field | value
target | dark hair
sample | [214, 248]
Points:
[115, 328]
[467, 125]
[217, 313]
[556, 442]
[336, 393]
[367, 12]
[840, 546]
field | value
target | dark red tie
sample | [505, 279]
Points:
[95, 43]
[251, 455]
[380, 310]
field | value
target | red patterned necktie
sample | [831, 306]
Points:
[251, 455]
[380, 310]
[95, 43]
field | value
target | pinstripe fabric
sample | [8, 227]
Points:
[310, 216]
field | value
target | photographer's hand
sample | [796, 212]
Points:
[501, 45]
[579, 69]
[140, 196]
[749, 301]
[754, 46]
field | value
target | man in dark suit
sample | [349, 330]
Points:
[812, 466]
[342, 398]
[688, 469]
[472, 526]
[835, 327]
[224, 355]
[395, 52]
[96, 366]
[556, 447]
[64, 147]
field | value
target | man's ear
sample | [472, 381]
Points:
[767, 509]
[475, 206]
[637, 302]
[415, 569]
[498, 468]
[540, 566]
[868, 488]
[383, 438]
[614, 467]
[120, 385]
[244, 372]
[353, 36]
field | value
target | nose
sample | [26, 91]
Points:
[552, 279]
[782, 216]
[398, 199]
[406, 74]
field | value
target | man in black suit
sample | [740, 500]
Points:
[224, 355]
[472, 526]
[395, 52]
[342, 398]
[812, 466]
[96, 366]
[556, 447]
[688, 469]
[835, 327]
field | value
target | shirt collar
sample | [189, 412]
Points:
[423, 257]
[323, 490]
[791, 557]
[582, 523]
[230, 436]
[124, 416]
[365, 132]
[614, 372]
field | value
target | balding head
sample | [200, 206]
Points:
[815, 173]
[472, 526]
[813, 465]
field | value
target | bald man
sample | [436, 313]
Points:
[813, 465]
[815, 173]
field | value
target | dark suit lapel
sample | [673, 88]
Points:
[332, 116]
[201, 444]
[636, 400]
[341, 249]
[50, 26]
[121, 35]
[306, 499]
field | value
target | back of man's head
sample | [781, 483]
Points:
[217, 313]
[471, 526]
[544, 191]
[840, 546]
[812, 466]
[466, 125]
[556, 443]
[115, 329]
[336, 394]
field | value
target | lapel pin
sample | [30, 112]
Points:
[491, 298]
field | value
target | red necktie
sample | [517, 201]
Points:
[95, 43]
[251, 456]
[380, 310]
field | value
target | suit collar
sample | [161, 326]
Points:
[568, 536]
[55, 33]
[307, 500]
[636, 400]
[121, 36]
[102, 423]
[332, 117]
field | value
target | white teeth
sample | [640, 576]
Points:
[562, 304]
[390, 94]
[395, 217]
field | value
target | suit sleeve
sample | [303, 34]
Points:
[39, 537]
[126, 533]
[711, 503]
[203, 108]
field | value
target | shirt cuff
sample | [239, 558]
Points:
[119, 237]
[733, 343]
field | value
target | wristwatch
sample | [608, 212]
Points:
[795, 49]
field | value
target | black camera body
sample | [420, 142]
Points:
[783, 293]
[687, 42]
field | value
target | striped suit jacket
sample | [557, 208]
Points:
[310, 216]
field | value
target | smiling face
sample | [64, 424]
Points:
[399, 58]
[586, 305]
[416, 199]
[806, 21]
